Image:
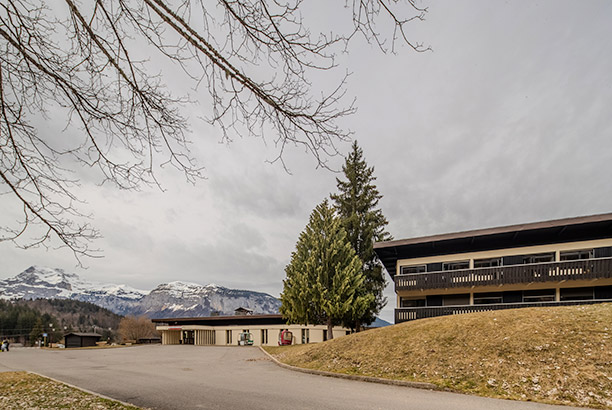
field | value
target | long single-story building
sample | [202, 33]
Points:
[560, 262]
[226, 330]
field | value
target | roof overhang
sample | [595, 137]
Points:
[538, 233]
[243, 320]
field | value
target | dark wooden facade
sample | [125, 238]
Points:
[540, 233]
[503, 275]
[73, 339]
[406, 314]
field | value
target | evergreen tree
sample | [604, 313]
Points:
[356, 204]
[324, 283]
[36, 332]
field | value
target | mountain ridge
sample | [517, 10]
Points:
[171, 299]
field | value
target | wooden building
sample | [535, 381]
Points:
[552, 263]
[81, 339]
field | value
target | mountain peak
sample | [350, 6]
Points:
[172, 299]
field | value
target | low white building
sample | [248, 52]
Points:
[226, 330]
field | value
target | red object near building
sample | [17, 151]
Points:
[285, 338]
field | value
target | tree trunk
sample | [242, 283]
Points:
[358, 326]
[330, 332]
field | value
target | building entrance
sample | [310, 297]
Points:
[188, 338]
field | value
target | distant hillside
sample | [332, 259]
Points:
[379, 323]
[25, 321]
[556, 355]
[76, 315]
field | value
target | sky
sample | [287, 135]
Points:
[508, 120]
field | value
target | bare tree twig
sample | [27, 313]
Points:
[254, 58]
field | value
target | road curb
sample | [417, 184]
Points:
[87, 391]
[369, 379]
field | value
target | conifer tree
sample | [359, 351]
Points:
[324, 283]
[356, 204]
[36, 332]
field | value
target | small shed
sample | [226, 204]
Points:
[75, 339]
[149, 340]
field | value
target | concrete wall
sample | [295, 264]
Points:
[217, 335]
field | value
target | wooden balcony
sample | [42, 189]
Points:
[406, 314]
[503, 275]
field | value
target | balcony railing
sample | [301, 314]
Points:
[406, 314]
[503, 275]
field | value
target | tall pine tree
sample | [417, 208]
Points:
[324, 283]
[356, 204]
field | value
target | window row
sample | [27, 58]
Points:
[520, 296]
[508, 260]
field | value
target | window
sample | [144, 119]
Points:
[540, 295]
[574, 255]
[539, 257]
[577, 294]
[456, 265]
[264, 336]
[305, 336]
[228, 337]
[487, 263]
[412, 302]
[454, 300]
[488, 298]
[324, 335]
[408, 270]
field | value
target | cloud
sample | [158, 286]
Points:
[506, 121]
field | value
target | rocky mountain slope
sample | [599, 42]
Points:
[180, 299]
[174, 299]
[45, 283]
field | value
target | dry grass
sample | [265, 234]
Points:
[21, 390]
[559, 355]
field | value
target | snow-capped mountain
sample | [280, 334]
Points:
[45, 283]
[180, 299]
[174, 299]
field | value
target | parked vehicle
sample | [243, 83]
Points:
[245, 339]
[285, 338]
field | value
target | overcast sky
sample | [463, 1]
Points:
[508, 120]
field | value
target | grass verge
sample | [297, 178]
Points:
[560, 355]
[21, 390]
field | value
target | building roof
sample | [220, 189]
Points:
[536, 233]
[223, 320]
[83, 334]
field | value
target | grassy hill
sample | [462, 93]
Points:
[557, 355]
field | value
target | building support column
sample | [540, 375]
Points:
[558, 295]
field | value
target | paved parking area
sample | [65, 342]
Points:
[200, 377]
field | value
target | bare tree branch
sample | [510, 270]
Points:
[254, 58]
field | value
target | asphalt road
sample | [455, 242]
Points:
[199, 377]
